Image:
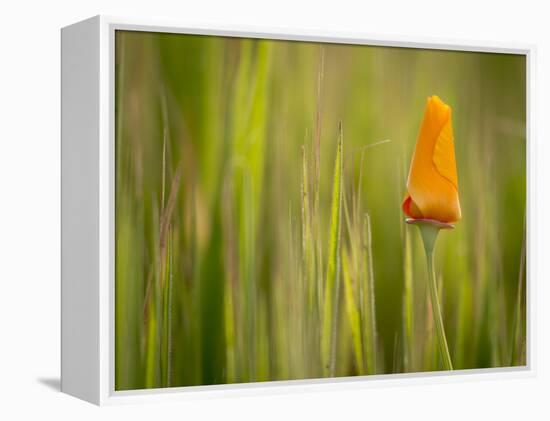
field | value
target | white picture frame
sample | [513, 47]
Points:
[87, 94]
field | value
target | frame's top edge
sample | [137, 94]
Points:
[312, 35]
[97, 18]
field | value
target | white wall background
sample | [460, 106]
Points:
[30, 211]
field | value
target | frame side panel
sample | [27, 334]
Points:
[80, 210]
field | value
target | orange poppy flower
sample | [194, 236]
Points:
[432, 186]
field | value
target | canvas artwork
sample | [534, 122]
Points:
[290, 210]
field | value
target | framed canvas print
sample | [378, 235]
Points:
[244, 209]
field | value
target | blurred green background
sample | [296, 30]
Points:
[226, 162]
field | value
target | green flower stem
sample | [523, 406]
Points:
[429, 235]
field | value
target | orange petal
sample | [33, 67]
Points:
[411, 209]
[433, 183]
[444, 154]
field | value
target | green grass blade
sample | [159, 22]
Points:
[169, 310]
[408, 302]
[248, 150]
[370, 339]
[308, 248]
[151, 351]
[353, 314]
[330, 310]
[517, 356]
